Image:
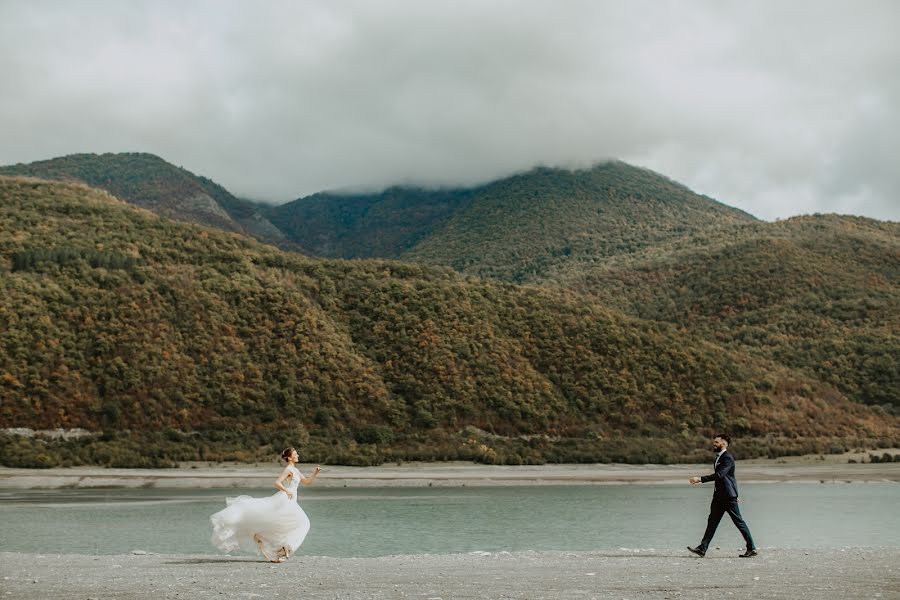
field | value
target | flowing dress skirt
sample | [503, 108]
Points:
[278, 520]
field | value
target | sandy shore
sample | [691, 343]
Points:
[848, 573]
[438, 474]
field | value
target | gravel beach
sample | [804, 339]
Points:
[846, 573]
[623, 573]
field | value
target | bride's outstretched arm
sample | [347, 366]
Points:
[311, 478]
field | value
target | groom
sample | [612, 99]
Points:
[725, 498]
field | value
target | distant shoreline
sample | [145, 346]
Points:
[211, 475]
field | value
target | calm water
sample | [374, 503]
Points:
[383, 521]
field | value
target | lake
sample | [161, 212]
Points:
[359, 522]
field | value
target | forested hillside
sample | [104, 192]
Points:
[820, 294]
[817, 293]
[181, 342]
[150, 182]
[522, 228]
[517, 229]
[382, 225]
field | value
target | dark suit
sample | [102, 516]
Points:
[725, 500]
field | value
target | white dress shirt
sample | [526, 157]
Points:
[718, 456]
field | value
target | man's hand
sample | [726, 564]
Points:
[694, 480]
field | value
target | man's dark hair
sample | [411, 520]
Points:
[724, 437]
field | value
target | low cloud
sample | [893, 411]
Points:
[777, 108]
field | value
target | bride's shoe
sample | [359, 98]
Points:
[283, 554]
[262, 548]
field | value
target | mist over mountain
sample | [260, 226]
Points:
[523, 227]
[516, 228]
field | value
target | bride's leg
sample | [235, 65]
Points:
[262, 548]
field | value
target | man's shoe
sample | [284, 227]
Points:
[699, 552]
[749, 553]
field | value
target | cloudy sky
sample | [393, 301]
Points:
[776, 107]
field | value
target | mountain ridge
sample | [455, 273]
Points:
[194, 344]
[446, 225]
[642, 243]
[366, 225]
[150, 182]
[524, 225]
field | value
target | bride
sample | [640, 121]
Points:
[276, 526]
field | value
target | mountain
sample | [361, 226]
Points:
[383, 225]
[150, 182]
[180, 342]
[517, 229]
[819, 294]
[524, 227]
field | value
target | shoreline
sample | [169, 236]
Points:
[843, 573]
[205, 475]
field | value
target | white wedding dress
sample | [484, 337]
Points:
[278, 520]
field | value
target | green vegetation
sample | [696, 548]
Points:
[817, 294]
[207, 345]
[521, 228]
[150, 182]
[516, 229]
[382, 225]
[884, 458]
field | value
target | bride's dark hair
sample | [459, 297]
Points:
[286, 453]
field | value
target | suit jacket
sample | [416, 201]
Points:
[726, 484]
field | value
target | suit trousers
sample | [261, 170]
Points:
[718, 507]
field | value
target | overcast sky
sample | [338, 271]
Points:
[779, 108]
